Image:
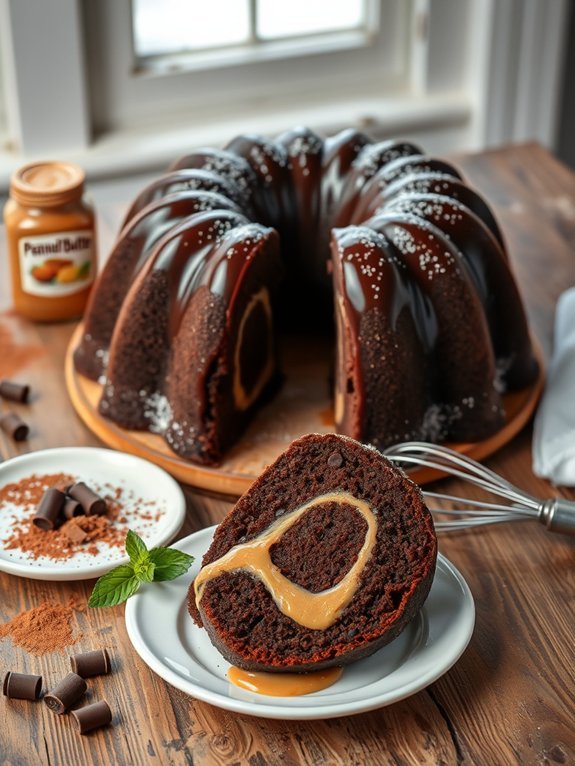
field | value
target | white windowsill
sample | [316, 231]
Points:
[133, 151]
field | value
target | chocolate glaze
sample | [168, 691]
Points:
[402, 166]
[132, 250]
[468, 401]
[190, 179]
[373, 292]
[364, 167]
[339, 154]
[224, 164]
[274, 198]
[208, 253]
[445, 186]
[305, 152]
[491, 274]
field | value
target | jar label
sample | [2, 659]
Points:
[57, 264]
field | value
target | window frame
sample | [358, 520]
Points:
[122, 90]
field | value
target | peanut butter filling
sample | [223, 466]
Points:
[242, 398]
[284, 684]
[311, 610]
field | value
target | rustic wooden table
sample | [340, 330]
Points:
[510, 698]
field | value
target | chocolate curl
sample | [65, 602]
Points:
[15, 392]
[22, 686]
[92, 503]
[88, 664]
[46, 517]
[92, 716]
[73, 508]
[14, 426]
[68, 691]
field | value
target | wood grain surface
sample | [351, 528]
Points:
[510, 699]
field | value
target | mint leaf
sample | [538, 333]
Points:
[144, 571]
[157, 565]
[136, 549]
[114, 587]
[169, 563]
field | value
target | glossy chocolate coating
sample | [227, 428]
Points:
[374, 190]
[364, 167]
[192, 179]
[136, 245]
[444, 186]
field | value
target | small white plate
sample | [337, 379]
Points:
[165, 637]
[148, 492]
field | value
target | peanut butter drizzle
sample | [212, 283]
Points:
[312, 610]
[242, 398]
[284, 684]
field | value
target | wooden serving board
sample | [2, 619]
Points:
[303, 405]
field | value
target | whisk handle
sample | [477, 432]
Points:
[558, 515]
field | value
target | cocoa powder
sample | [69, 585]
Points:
[45, 628]
[29, 491]
[79, 534]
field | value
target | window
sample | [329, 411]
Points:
[247, 27]
[188, 63]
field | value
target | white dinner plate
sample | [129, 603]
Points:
[165, 637]
[153, 506]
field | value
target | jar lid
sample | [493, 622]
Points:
[47, 183]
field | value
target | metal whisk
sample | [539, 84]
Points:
[556, 514]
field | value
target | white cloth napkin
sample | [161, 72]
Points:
[554, 430]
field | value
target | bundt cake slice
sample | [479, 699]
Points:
[135, 244]
[193, 347]
[326, 558]
[409, 298]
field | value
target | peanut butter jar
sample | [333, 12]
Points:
[51, 241]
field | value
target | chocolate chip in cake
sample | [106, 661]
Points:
[335, 460]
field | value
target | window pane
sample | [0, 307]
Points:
[276, 18]
[175, 26]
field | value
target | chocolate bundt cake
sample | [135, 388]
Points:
[326, 558]
[230, 244]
